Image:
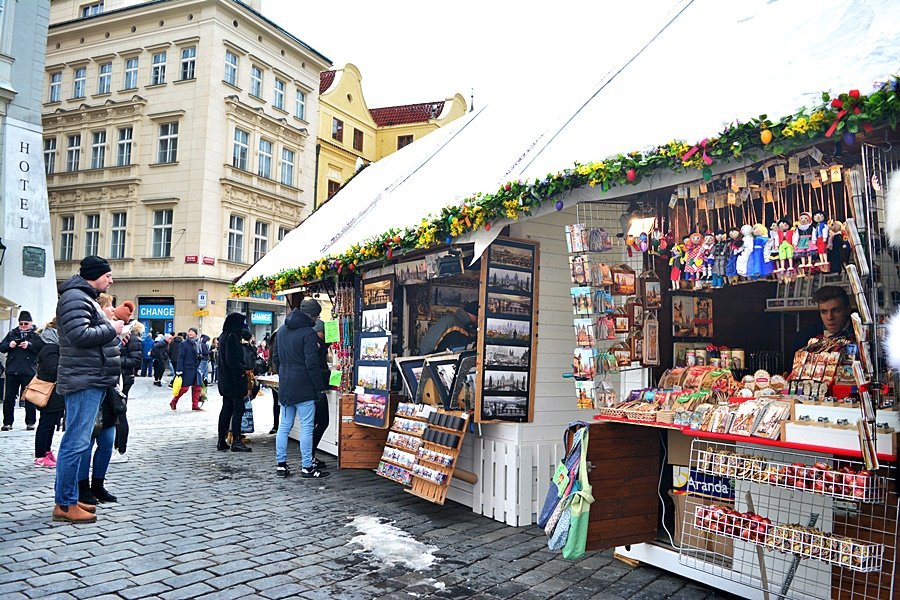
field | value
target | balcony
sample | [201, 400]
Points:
[254, 182]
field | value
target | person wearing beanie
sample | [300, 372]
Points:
[159, 352]
[189, 369]
[322, 418]
[456, 330]
[21, 346]
[88, 365]
[232, 383]
[130, 352]
[299, 386]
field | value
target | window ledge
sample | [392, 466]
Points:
[121, 260]
[124, 90]
[255, 97]
[153, 86]
[74, 98]
[164, 164]
[234, 263]
[103, 95]
[304, 121]
[281, 110]
[53, 103]
[176, 82]
[231, 85]
[158, 258]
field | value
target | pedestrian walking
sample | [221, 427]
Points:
[147, 342]
[214, 360]
[160, 354]
[232, 378]
[203, 345]
[21, 346]
[51, 414]
[130, 352]
[88, 365]
[189, 368]
[174, 344]
[299, 385]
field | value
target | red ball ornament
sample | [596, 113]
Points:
[854, 94]
[396, 239]
[663, 244]
[487, 226]
[507, 187]
[352, 266]
[631, 175]
[837, 103]
[390, 253]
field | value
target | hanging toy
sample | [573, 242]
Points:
[820, 238]
[676, 263]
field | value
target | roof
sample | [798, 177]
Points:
[407, 113]
[326, 78]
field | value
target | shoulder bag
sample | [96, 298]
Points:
[38, 391]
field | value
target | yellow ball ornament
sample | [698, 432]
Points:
[765, 136]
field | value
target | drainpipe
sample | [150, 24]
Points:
[316, 182]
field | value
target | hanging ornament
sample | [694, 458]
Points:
[487, 226]
[396, 239]
[559, 205]
[849, 138]
[631, 175]
[449, 240]
[707, 173]
[765, 137]
[643, 245]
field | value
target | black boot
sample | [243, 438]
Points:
[84, 493]
[238, 446]
[222, 446]
[100, 492]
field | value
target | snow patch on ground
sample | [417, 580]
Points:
[391, 545]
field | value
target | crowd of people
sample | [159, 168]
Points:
[91, 352]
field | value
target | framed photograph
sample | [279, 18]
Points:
[376, 321]
[650, 356]
[375, 349]
[703, 317]
[505, 279]
[621, 322]
[509, 304]
[682, 316]
[372, 378]
[504, 408]
[635, 311]
[624, 281]
[451, 296]
[512, 256]
[410, 371]
[505, 381]
[622, 353]
[371, 409]
[411, 272]
[506, 356]
[377, 292]
[507, 331]
[650, 290]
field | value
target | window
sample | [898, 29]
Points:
[188, 62]
[117, 235]
[264, 160]
[91, 235]
[260, 240]
[278, 100]
[103, 83]
[79, 82]
[337, 129]
[241, 148]
[123, 149]
[73, 152]
[162, 233]
[89, 10]
[131, 73]
[158, 71]
[282, 231]
[300, 105]
[231, 68]
[98, 149]
[403, 141]
[333, 188]
[66, 238]
[55, 87]
[287, 166]
[236, 239]
[168, 143]
[357, 139]
[256, 81]
[50, 155]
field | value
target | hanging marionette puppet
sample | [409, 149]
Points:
[734, 248]
[720, 256]
[694, 256]
[803, 246]
[785, 246]
[676, 263]
[838, 248]
[820, 238]
[709, 242]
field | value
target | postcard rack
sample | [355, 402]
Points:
[422, 449]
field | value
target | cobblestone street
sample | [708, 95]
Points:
[195, 523]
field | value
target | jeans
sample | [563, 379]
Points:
[15, 385]
[146, 367]
[101, 456]
[43, 437]
[203, 369]
[81, 410]
[307, 412]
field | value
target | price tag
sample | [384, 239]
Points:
[823, 175]
[673, 200]
[682, 192]
[334, 380]
[695, 191]
[732, 198]
[332, 332]
[835, 173]
[794, 165]
[741, 178]
[816, 155]
[780, 175]
[703, 188]
[734, 184]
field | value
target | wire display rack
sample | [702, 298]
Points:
[798, 525]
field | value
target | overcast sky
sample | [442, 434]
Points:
[411, 51]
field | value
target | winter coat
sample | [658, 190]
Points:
[299, 369]
[173, 351]
[146, 347]
[88, 347]
[130, 351]
[21, 361]
[273, 356]
[47, 368]
[160, 352]
[231, 375]
[189, 362]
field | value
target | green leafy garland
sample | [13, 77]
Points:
[846, 115]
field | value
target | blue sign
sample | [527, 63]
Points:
[170, 326]
[704, 484]
[156, 311]
[261, 317]
[266, 296]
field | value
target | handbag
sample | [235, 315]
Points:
[559, 483]
[38, 391]
[580, 510]
[176, 385]
[247, 417]
[117, 401]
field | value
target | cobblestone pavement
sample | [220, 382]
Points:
[195, 523]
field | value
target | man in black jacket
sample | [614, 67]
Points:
[88, 365]
[21, 346]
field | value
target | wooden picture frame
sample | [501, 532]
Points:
[635, 311]
[650, 290]
[650, 357]
[621, 321]
[624, 280]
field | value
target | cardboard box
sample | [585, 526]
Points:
[679, 448]
[833, 437]
[719, 545]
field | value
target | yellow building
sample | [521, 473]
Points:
[351, 134]
[179, 142]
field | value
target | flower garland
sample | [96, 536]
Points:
[846, 115]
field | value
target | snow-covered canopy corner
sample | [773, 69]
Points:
[693, 79]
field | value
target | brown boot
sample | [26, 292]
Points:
[87, 507]
[72, 514]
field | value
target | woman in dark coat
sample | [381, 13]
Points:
[131, 353]
[52, 414]
[189, 368]
[232, 382]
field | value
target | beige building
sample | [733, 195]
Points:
[350, 132]
[179, 142]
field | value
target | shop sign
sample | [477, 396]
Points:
[261, 296]
[191, 259]
[209, 260]
[261, 317]
[156, 311]
[702, 484]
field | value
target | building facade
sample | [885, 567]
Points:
[351, 134]
[27, 276]
[179, 142]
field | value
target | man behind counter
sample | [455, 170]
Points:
[451, 331]
[834, 311]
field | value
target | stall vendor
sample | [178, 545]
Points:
[834, 310]
[452, 331]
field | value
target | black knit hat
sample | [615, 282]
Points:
[25, 316]
[94, 267]
[311, 308]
